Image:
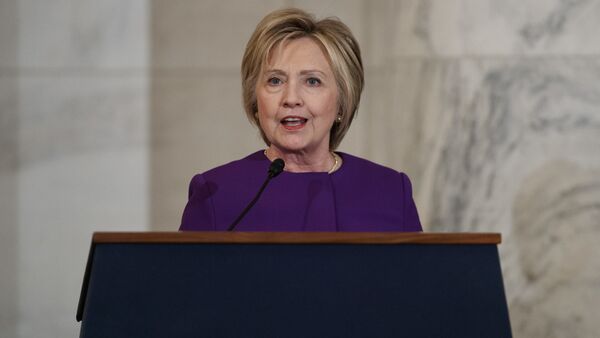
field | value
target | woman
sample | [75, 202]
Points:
[301, 81]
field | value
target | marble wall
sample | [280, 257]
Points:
[108, 109]
[73, 135]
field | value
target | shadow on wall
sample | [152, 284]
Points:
[9, 235]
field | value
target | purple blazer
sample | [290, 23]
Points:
[360, 196]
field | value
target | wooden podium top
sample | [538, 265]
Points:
[220, 237]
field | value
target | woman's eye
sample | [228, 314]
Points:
[313, 81]
[274, 81]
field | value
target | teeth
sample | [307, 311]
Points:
[293, 121]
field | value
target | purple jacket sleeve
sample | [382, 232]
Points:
[199, 214]
[410, 209]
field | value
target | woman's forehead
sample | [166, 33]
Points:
[302, 52]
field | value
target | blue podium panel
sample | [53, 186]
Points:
[295, 290]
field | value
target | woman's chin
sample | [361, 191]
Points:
[291, 149]
[299, 144]
[291, 144]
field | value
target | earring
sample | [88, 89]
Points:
[338, 119]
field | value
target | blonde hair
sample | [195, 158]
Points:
[336, 41]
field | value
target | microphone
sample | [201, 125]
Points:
[275, 169]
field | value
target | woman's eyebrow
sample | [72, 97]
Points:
[312, 71]
[302, 72]
[274, 71]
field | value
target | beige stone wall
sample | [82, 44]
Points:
[108, 108]
[196, 113]
[74, 149]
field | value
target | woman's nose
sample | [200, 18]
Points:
[292, 97]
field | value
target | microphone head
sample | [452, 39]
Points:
[276, 167]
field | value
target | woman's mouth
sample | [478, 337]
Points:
[293, 122]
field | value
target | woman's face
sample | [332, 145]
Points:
[297, 98]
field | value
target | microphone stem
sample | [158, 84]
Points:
[250, 205]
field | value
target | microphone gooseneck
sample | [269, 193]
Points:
[275, 169]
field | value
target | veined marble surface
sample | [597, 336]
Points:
[78, 36]
[512, 117]
[556, 230]
[460, 28]
[67, 115]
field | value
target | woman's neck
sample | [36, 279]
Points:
[302, 162]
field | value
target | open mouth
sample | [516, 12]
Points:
[293, 122]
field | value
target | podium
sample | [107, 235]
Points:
[216, 284]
